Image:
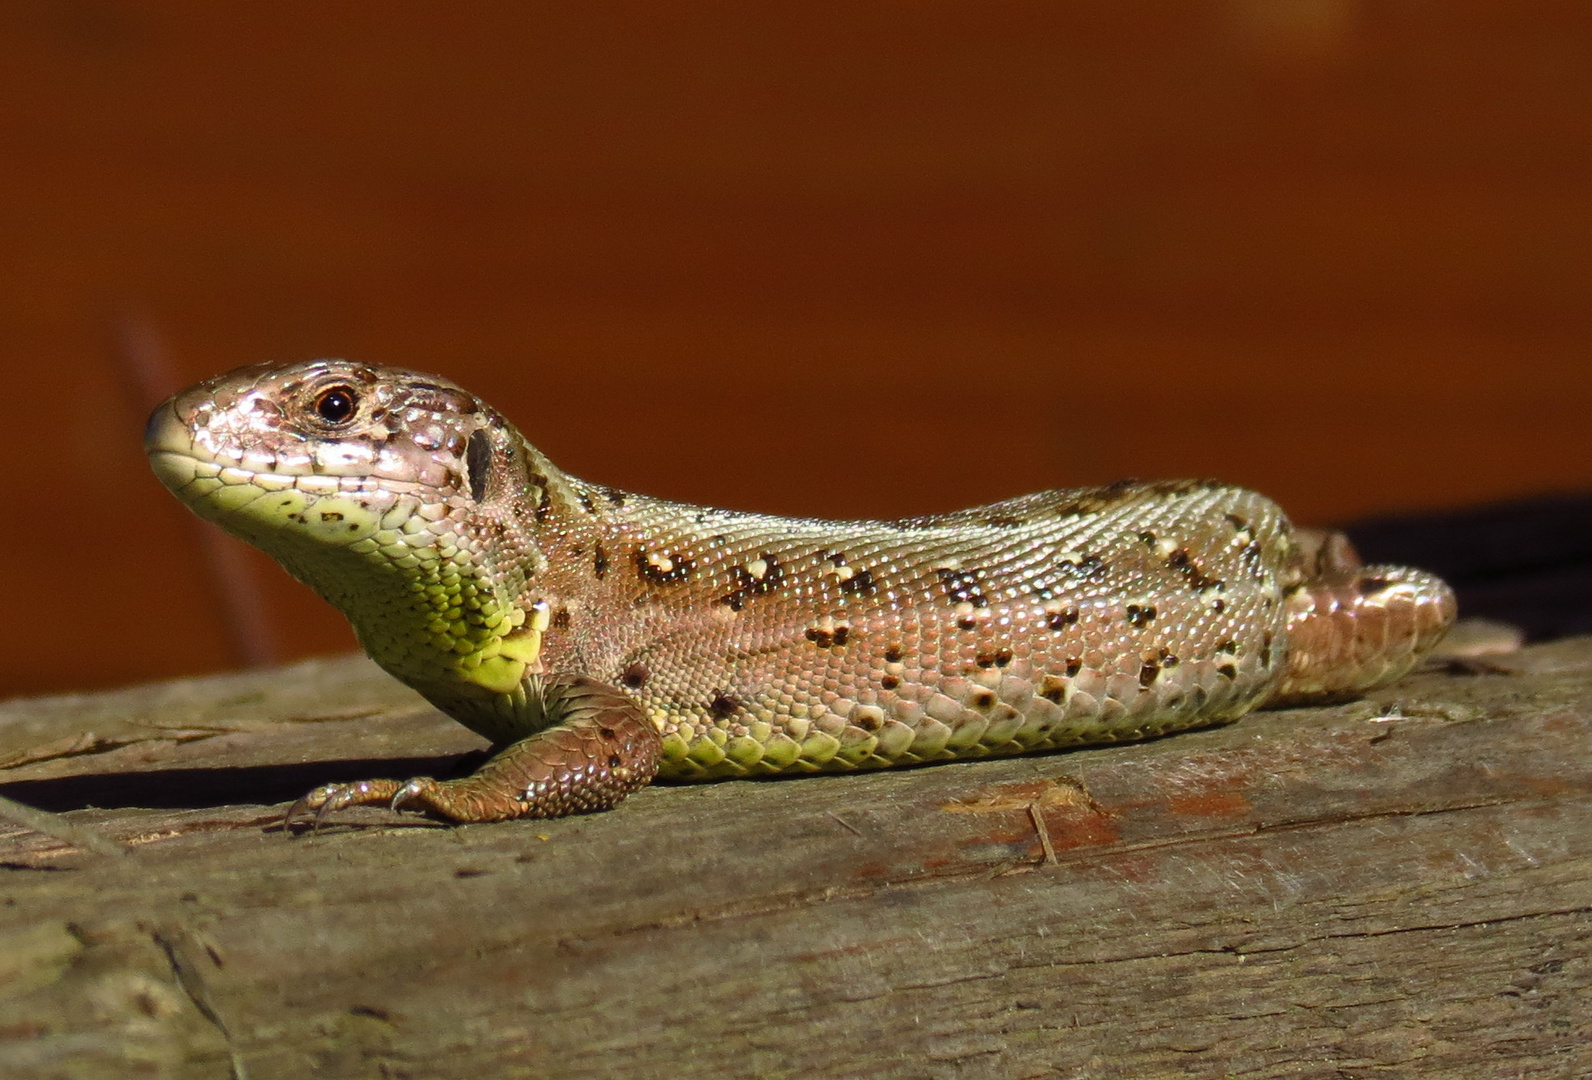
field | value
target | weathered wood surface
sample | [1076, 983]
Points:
[1389, 888]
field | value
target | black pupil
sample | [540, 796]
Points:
[335, 406]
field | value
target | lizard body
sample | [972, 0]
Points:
[597, 635]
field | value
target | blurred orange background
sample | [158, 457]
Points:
[817, 259]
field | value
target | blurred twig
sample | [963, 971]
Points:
[149, 379]
[55, 825]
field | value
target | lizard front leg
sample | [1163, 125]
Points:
[600, 749]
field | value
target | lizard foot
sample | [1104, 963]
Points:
[601, 749]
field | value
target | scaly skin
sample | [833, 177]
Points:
[593, 634]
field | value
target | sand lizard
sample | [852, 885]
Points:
[599, 637]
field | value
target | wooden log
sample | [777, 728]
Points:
[1400, 886]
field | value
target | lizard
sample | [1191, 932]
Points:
[599, 638]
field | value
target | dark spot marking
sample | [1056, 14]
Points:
[1370, 586]
[869, 722]
[1003, 657]
[586, 503]
[889, 682]
[748, 586]
[1004, 521]
[1239, 524]
[983, 699]
[544, 505]
[724, 704]
[478, 462]
[1148, 673]
[826, 638]
[1179, 560]
[614, 761]
[599, 562]
[985, 659]
[331, 515]
[353, 526]
[1227, 671]
[1265, 651]
[577, 550]
[1074, 665]
[561, 619]
[859, 582]
[967, 623]
[679, 571]
[608, 733]
[1141, 615]
[1060, 620]
[614, 496]
[1252, 555]
[893, 654]
[1218, 606]
[1096, 499]
[963, 586]
[1228, 646]
[1149, 538]
[635, 676]
[1053, 689]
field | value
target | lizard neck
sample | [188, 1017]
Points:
[450, 596]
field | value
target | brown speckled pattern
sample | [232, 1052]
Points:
[759, 644]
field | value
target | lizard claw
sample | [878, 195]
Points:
[329, 798]
[413, 789]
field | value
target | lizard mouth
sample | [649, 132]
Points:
[191, 469]
[253, 503]
[173, 456]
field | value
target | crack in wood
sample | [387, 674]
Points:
[192, 986]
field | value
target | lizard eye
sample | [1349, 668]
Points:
[336, 404]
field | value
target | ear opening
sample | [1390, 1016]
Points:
[478, 462]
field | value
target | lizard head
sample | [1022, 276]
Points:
[325, 428]
[389, 492]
